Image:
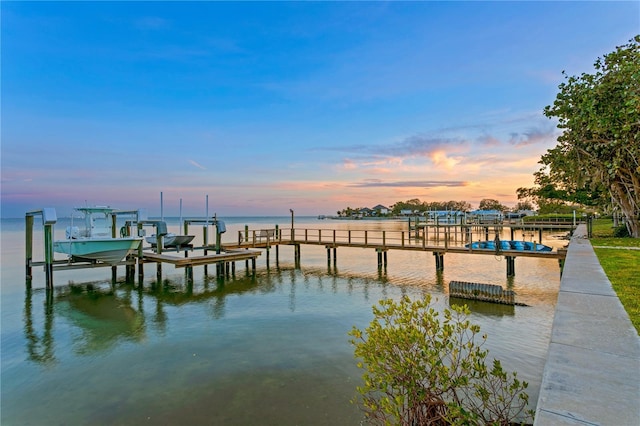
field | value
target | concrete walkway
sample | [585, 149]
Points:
[592, 374]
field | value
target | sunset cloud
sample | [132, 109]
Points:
[375, 183]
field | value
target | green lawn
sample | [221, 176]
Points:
[622, 266]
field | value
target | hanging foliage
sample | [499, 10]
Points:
[597, 158]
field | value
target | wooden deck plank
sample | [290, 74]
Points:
[181, 262]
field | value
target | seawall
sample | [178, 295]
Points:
[592, 373]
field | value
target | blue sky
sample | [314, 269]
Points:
[269, 106]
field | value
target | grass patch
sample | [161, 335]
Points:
[621, 266]
[602, 228]
[616, 242]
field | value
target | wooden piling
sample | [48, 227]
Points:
[159, 245]
[28, 244]
[511, 266]
[48, 254]
[205, 239]
[439, 260]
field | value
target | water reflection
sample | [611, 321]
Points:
[485, 308]
[103, 315]
[39, 347]
[103, 318]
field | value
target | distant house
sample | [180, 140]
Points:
[380, 209]
[407, 212]
[365, 211]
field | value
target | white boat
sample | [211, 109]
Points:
[171, 240]
[95, 242]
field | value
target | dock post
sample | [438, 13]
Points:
[48, 254]
[335, 255]
[268, 250]
[159, 245]
[139, 257]
[382, 257]
[205, 238]
[28, 245]
[128, 273]
[439, 261]
[297, 254]
[511, 266]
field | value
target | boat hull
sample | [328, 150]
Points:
[107, 250]
[171, 240]
[181, 240]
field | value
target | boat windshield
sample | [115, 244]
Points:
[100, 225]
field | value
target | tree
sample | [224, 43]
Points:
[422, 370]
[413, 205]
[523, 205]
[489, 204]
[597, 158]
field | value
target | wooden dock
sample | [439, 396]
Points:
[439, 240]
[380, 241]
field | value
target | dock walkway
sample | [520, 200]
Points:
[592, 373]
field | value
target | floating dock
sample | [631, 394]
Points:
[482, 292]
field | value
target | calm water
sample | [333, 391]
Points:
[268, 349]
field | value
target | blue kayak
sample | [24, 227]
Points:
[509, 245]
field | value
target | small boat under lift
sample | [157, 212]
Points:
[171, 240]
[96, 242]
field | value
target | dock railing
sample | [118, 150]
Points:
[358, 238]
[355, 238]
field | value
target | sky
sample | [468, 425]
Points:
[262, 107]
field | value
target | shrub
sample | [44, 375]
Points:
[621, 231]
[420, 369]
